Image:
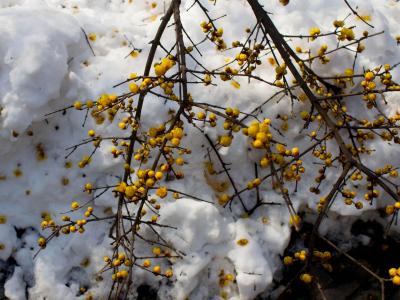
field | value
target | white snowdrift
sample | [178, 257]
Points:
[46, 64]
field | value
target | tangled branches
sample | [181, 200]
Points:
[337, 133]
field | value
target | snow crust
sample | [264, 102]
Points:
[46, 64]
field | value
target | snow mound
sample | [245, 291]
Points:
[34, 57]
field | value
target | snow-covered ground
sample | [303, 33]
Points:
[46, 64]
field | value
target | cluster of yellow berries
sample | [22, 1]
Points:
[249, 58]
[162, 67]
[281, 149]
[298, 256]
[70, 227]
[88, 211]
[157, 269]
[234, 114]
[146, 179]
[260, 133]
[175, 136]
[346, 34]
[215, 35]
[126, 122]
[338, 23]
[225, 279]
[253, 183]
[294, 171]
[84, 161]
[391, 209]
[212, 118]
[302, 257]
[321, 54]
[118, 261]
[349, 198]
[325, 156]
[386, 78]
[368, 83]
[346, 77]
[395, 275]
[241, 58]
[157, 137]
[314, 33]
[105, 100]
[162, 192]
[372, 193]
[326, 255]
[226, 140]
[387, 169]
[356, 176]
[77, 226]
[47, 222]
[280, 71]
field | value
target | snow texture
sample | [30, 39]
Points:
[46, 64]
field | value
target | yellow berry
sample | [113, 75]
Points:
[133, 87]
[392, 272]
[390, 209]
[88, 186]
[306, 278]
[396, 280]
[295, 220]
[77, 104]
[75, 205]
[287, 260]
[42, 242]
[92, 36]
[253, 130]
[158, 175]
[122, 125]
[146, 263]
[156, 251]
[169, 273]
[150, 182]
[201, 115]
[225, 140]
[89, 103]
[257, 144]
[264, 162]
[157, 269]
[223, 199]
[295, 151]
[242, 242]
[162, 192]
[91, 133]
[369, 76]
[175, 141]
[179, 161]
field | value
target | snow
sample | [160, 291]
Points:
[15, 286]
[46, 64]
